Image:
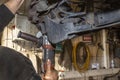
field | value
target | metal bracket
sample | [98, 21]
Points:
[58, 32]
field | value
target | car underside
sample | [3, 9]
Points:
[65, 19]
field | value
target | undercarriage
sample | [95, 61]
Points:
[65, 19]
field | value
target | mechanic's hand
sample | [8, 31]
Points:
[14, 5]
[51, 74]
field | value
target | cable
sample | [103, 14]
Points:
[85, 65]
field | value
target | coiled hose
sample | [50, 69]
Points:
[76, 50]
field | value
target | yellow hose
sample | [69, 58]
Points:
[87, 61]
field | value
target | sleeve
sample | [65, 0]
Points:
[15, 66]
[5, 16]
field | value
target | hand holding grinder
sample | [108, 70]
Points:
[48, 57]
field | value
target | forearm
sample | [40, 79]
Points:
[7, 12]
[5, 16]
[14, 5]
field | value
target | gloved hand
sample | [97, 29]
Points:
[51, 74]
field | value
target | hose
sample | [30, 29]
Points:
[85, 65]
